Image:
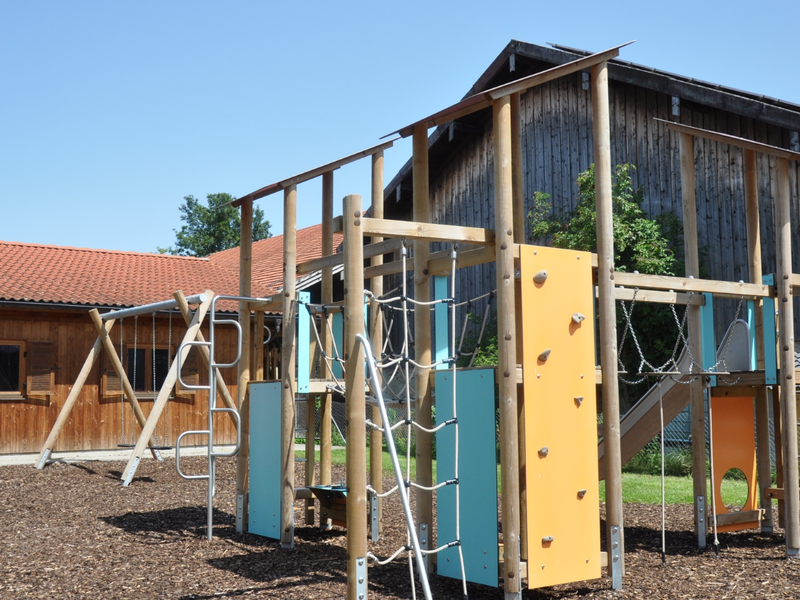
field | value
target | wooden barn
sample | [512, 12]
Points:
[46, 333]
[556, 145]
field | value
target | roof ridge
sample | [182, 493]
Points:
[101, 250]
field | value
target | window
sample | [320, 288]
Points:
[12, 365]
[138, 365]
[26, 369]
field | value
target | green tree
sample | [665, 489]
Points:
[212, 228]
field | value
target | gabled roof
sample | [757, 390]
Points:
[267, 264]
[88, 277]
[520, 59]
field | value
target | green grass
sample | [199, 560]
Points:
[646, 489]
[636, 488]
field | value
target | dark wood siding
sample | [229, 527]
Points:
[557, 145]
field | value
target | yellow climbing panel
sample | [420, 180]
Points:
[563, 507]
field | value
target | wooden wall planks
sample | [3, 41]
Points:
[96, 421]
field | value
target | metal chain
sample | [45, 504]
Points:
[153, 362]
[169, 367]
[135, 353]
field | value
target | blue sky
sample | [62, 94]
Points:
[112, 112]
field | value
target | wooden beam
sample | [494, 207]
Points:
[312, 173]
[507, 345]
[326, 407]
[682, 298]
[376, 336]
[166, 390]
[72, 397]
[243, 369]
[428, 232]
[422, 330]
[441, 263]
[742, 516]
[355, 401]
[696, 400]
[687, 284]
[333, 260]
[783, 253]
[606, 279]
[732, 140]
[485, 99]
[288, 365]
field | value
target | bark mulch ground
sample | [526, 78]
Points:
[72, 531]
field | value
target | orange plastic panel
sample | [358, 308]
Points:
[734, 444]
[560, 420]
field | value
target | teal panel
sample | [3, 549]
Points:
[338, 340]
[709, 342]
[264, 512]
[441, 329]
[303, 343]
[477, 475]
[770, 358]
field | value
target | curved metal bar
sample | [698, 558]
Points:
[178, 453]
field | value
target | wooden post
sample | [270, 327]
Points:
[761, 407]
[608, 323]
[507, 345]
[258, 341]
[376, 338]
[243, 379]
[166, 390]
[327, 345]
[696, 387]
[783, 253]
[205, 354]
[69, 403]
[517, 191]
[422, 336]
[288, 365]
[355, 399]
[108, 346]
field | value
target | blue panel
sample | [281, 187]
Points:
[303, 343]
[264, 512]
[770, 358]
[707, 334]
[338, 340]
[751, 325]
[477, 475]
[441, 329]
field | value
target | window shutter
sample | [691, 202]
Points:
[190, 372]
[41, 369]
[111, 384]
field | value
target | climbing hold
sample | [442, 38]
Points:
[578, 317]
[544, 451]
[540, 277]
[578, 400]
[544, 355]
[581, 493]
[547, 539]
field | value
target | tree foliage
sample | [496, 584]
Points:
[639, 244]
[212, 228]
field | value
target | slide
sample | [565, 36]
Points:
[642, 423]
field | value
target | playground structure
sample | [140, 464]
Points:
[546, 374]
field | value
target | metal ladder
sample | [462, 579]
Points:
[212, 408]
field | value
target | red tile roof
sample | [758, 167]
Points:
[267, 266]
[37, 273]
[84, 276]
